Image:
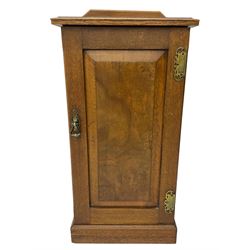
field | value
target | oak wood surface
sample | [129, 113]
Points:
[124, 13]
[178, 37]
[74, 74]
[123, 233]
[124, 18]
[125, 38]
[119, 77]
[124, 216]
[109, 21]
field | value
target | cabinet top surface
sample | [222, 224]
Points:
[124, 18]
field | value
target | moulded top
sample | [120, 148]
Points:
[124, 18]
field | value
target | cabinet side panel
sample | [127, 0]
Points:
[73, 61]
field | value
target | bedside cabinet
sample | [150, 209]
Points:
[125, 75]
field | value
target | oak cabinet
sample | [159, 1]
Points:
[125, 74]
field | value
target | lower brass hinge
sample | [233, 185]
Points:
[169, 202]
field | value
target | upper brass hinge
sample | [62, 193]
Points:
[169, 202]
[180, 64]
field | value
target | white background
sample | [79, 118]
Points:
[213, 201]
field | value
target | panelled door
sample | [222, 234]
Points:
[125, 90]
[130, 111]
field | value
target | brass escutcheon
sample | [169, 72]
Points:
[75, 124]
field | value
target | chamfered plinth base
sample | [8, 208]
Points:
[123, 233]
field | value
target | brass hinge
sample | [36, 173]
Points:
[180, 64]
[169, 202]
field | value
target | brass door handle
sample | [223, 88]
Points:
[75, 129]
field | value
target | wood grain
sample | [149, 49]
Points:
[124, 18]
[102, 21]
[73, 62]
[123, 13]
[123, 234]
[124, 38]
[178, 37]
[124, 216]
[125, 92]
[119, 76]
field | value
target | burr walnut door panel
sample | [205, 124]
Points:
[125, 96]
